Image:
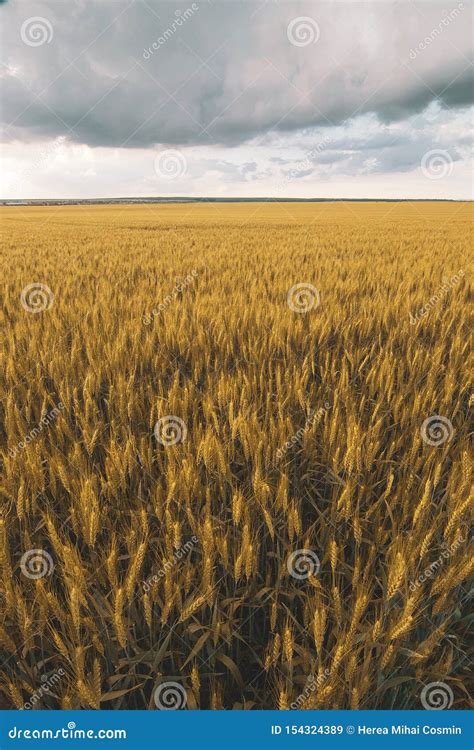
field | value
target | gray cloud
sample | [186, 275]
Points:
[126, 74]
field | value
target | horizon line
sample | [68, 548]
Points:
[214, 199]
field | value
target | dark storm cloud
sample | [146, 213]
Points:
[135, 74]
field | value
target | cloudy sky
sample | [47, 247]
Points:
[341, 98]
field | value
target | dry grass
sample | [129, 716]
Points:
[360, 488]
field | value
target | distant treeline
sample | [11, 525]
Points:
[185, 199]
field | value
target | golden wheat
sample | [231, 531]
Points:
[170, 544]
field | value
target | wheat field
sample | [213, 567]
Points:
[222, 489]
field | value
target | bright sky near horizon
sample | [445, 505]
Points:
[242, 98]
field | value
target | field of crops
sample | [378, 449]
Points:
[235, 456]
